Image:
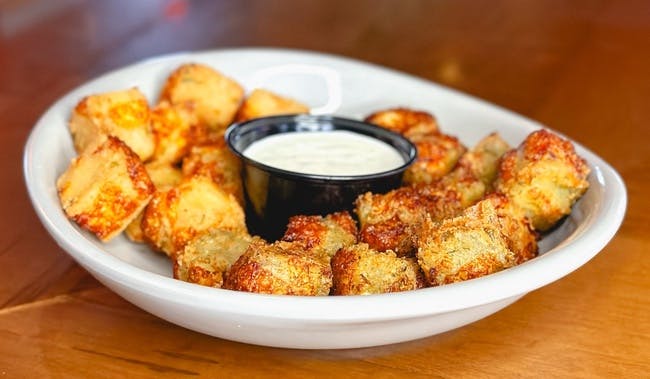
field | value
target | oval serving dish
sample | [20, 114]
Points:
[346, 88]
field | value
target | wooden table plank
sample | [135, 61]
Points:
[579, 67]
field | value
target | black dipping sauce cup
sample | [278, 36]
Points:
[273, 195]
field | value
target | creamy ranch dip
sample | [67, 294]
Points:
[331, 153]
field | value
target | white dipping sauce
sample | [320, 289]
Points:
[331, 153]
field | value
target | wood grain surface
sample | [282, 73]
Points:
[580, 67]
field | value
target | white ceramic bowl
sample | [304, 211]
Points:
[348, 88]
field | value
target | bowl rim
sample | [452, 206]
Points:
[356, 126]
[544, 269]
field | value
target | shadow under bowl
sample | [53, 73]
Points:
[273, 195]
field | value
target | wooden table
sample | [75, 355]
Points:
[581, 68]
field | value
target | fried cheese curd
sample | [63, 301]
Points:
[329, 233]
[164, 176]
[437, 152]
[124, 114]
[487, 237]
[205, 96]
[262, 103]
[475, 172]
[105, 188]
[206, 258]
[437, 156]
[218, 163]
[408, 122]
[544, 177]
[281, 268]
[175, 216]
[172, 133]
[359, 270]
[393, 220]
[482, 161]
[461, 214]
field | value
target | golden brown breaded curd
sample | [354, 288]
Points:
[360, 270]
[544, 176]
[205, 93]
[487, 237]
[392, 221]
[474, 173]
[459, 192]
[176, 215]
[329, 233]
[408, 122]
[105, 188]
[164, 176]
[437, 154]
[281, 268]
[262, 103]
[217, 162]
[172, 133]
[482, 161]
[133, 231]
[515, 227]
[124, 114]
[208, 256]
[464, 247]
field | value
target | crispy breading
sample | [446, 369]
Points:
[544, 176]
[171, 131]
[176, 215]
[462, 250]
[484, 239]
[208, 256]
[475, 171]
[105, 188]
[437, 154]
[262, 102]
[207, 96]
[282, 268]
[467, 189]
[329, 233]
[217, 162]
[133, 231]
[123, 114]
[515, 227]
[392, 221]
[482, 161]
[408, 122]
[164, 176]
[360, 270]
